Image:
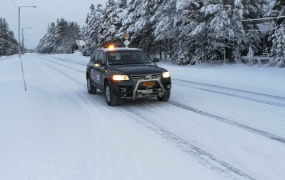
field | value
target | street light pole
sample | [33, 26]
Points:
[23, 38]
[19, 44]
[19, 27]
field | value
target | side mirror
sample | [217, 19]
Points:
[155, 60]
[98, 63]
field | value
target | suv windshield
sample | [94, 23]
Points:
[128, 57]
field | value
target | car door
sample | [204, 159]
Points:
[99, 71]
[91, 67]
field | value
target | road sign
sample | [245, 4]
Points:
[126, 42]
[126, 36]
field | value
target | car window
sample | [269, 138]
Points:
[101, 57]
[94, 56]
[143, 57]
[128, 57]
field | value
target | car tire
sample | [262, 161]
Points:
[111, 98]
[91, 89]
[165, 97]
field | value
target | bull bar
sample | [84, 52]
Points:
[147, 80]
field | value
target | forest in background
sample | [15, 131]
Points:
[187, 31]
[8, 43]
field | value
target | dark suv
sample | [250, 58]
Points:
[126, 73]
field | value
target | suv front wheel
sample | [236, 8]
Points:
[111, 98]
[165, 97]
[91, 89]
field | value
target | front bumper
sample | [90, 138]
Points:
[134, 89]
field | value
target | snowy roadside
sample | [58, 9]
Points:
[249, 78]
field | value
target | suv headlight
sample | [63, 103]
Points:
[166, 75]
[120, 78]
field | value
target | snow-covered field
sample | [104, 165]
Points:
[222, 122]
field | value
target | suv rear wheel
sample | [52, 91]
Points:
[111, 98]
[91, 89]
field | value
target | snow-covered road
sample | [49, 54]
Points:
[208, 130]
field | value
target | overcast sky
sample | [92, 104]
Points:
[47, 11]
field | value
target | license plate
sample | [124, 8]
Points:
[146, 84]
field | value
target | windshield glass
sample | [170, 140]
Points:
[128, 57]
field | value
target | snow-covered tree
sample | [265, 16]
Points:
[129, 18]
[190, 31]
[277, 35]
[108, 30]
[60, 37]
[94, 23]
[221, 28]
[189, 21]
[138, 22]
[8, 44]
[4, 37]
[167, 26]
[112, 23]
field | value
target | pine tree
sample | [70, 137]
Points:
[2, 47]
[191, 31]
[194, 31]
[60, 37]
[4, 37]
[94, 22]
[277, 36]
[222, 28]
[47, 43]
[129, 18]
[13, 44]
[166, 31]
[8, 43]
[140, 24]
[112, 23]
[122, 4]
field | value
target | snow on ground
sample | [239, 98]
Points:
[222, 122]
[265, 80]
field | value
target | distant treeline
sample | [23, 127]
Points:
[60, 37]
[8, 43]
[186, 31]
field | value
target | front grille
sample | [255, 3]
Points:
[145, 76]
[137, 77]
[156, 76]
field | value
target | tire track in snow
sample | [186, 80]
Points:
[215, 117]
[63, 65]
[74, 62]
[201, 155]
[207, 85]
[190, 149]
[101, 101]
[262, 133]
[234, 90]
